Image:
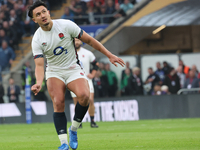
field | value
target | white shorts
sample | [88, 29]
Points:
[66, 75]
[90, 86]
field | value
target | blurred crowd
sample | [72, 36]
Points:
[14, 24]
[169, 80]
[97, 11]
[163, 81]
[14, 90]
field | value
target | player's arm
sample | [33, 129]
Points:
[98, 46]
[39, 74]
[95, 67]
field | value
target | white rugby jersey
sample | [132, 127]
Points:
[57, 44]
[86, 57]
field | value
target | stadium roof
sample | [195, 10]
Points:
[182, 13]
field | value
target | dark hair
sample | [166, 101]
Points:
[35, 5]
[150, 68]
[171, 69]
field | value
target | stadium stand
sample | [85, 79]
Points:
[134, 31]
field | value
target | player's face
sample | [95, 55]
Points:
[78, 43]
[41, 16]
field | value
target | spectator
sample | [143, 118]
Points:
[23, 75]
[135, 84]
[3, 36]
[67, 14]
[112, 81]
[186, 69]
[103, 19]
[164, 90]
[28, 25]
[152, 80]
[4, 61]
[101, 66]
[123, 71]
[120, 12]
[172, 81]
[192, 81]
[82, 4]
[17, 30]
[0, 74]
[100, 85]
[110, 10]
[20, 5]
[103, 78]
[156, 90]
[17, 22]
[181, 75]
[124, 82]
[1, 93]
[13, 16]
[97, 6]
[13, 91]
[110, 7]
[126, 6]
[19, 11]
[81, 16]
[166, 68]
[90, 14]
[11, 33]
[160, 72]
[5, 9]
[73, 7]
[10, 4]
[2, 19]
[7, 56]
[194, 68]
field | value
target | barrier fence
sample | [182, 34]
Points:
[111, 109]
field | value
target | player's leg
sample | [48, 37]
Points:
[75, 99]
[91, 111]
[81, 89]
[56, 89]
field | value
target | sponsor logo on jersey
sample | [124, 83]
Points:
[59, 50]
[61, 35]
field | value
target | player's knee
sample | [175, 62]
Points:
[84, 99]
[59, 105]
[91, 101]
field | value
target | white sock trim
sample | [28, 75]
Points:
[75, 125]
[63, 138]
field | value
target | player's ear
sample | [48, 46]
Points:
[34, 20]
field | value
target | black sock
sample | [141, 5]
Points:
[80, 112]
[92, 118]
[60, 122]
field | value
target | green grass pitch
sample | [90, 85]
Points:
[168, 134]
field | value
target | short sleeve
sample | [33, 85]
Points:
[36, 49]
[92, 57]
[73, 29]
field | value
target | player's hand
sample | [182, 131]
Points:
[90, 76]
[36, 88]
[114, 59]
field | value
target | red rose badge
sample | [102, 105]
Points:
[61, 36]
